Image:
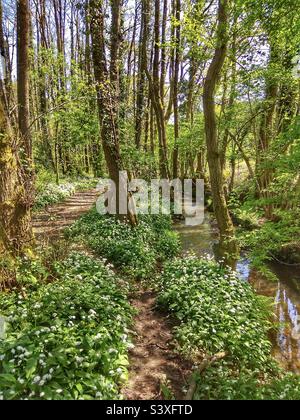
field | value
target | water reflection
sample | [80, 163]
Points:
[286, 297]
[199, 239]
[285, 293]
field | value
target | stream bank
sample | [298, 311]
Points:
[285, 293]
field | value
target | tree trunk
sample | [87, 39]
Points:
[15, 180]
[176, 82]
[266, 135]
[42, 86]
[23, 19]
[143, 63]
[191, 92]
[5, 80]
[163, 65]
[15, 226]
[155, 90]
[107, 91]
[228, 243]
[23, 89]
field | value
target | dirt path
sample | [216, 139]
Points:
[153, 362]
[50, 222]
[154, 365]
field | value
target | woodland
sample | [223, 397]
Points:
[139, 306]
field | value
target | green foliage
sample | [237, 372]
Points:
[224, 382]
[270, 238]
[217, 312]
[67, 339]
[273, 236]
[283, 160]
[68, 131]
[167, 245]
[135, 251]
[243, 217]
[142, 165]
[191, 141]
[48, 194]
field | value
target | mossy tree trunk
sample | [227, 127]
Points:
[15, 202]
[15, 221]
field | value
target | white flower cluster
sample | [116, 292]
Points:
[19, 355]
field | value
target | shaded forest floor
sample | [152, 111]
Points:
[156, 372]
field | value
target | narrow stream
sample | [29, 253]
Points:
[286, 292]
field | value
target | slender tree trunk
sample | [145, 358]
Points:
[23, 75]
[23, 89]
[265, 137]
[5, 80]
[229, 104]
[169, 108]
[42, 85]
[107, 90]
[60, 26]
[131, 52]
[233, 173]
[154, 86]
[176, 82]
[191, 92]
[95, 148]
[163, 65]
[143, 64]
[228, 243]
[115, 41]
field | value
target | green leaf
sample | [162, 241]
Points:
[31, 367]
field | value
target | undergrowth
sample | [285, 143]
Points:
[67, 339]
[217, 313]
[267, 240]
[134, 251]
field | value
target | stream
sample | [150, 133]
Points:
[285, 293]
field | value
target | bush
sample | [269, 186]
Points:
[67, 339]
[135, 251]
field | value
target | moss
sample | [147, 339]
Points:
[7, 158]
